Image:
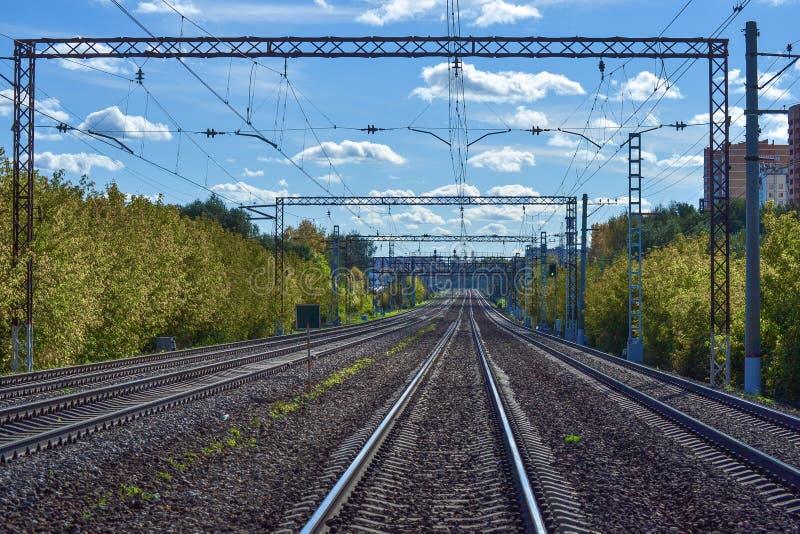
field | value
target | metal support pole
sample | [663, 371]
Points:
[413, 284]
[582, 289]
[528, 283]
[280, 257]
[719, 199]
[752, 300]
[22, 191]
[543, 281]
[570, 310]
[635, 341]
[334, 319]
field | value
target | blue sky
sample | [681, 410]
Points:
[315, 116]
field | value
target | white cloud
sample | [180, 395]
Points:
[646, 85]
[243, 192]
[323, 4]
[513, 190]
[247, 173]
[525, 118]
[775, 127]
[500, 12]
[396, 11]
[134, 126]
[451, 190]
[186, 8]
[676, 160]
[108, 64]
[493, 229]
[502, 86]
[505, 160]
[78, 163]
[561, 140]
[392, 193]
[49, 106]
[494, 213]
[283, 183]
[48, 137]
[349, 152]
[604, 122]
[442, 230]
[772, 91]
[418, 215]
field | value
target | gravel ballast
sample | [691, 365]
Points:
[628, 475]
[124, 476]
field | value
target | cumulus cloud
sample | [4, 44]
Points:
[493, 229]
[418, 215]
[494, 213]
[392, 193]
[646, 85]
[561, 140]
[451, 190]
[134, 126]
[349, 152]
[283, 183]
[107, 64]
[330, 178]
[500, 12]
[244, 192]
[247, 173]
[323, 4]
[48, 106]
[772, 91]
[442, 230]
[512, 190]
[396, 11]
[506, 159]
[186, 8]
[501, 87]
[676, 160]
[80, 162]
[525, 118]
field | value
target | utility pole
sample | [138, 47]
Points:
[581, 339]
[542, 281]
[635, 334]
[752, 300]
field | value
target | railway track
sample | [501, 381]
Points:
[445, 456]
[778, 480]
[27, 384]
[30, 427]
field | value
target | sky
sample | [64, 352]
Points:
[315, 110]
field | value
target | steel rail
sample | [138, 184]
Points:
[71, 431]
[48, 374]
[92, 376]
[23, 411]
[532, 516]
[769, 466]
[762, 412]
[353, 473]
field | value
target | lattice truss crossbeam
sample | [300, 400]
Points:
[375, 47]
[714, 50]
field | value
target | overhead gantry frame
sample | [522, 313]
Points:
[27, 51]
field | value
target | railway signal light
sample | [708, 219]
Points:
[552, 270]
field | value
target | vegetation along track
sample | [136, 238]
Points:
[444, 457]
[29, 427]
[27, 384]
[679, 418]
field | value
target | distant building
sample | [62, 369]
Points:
[794, 154]
[773, 184]
[775, 154]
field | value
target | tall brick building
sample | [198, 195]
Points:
[793, 179]
[768, 152]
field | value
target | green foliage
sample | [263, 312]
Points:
[572, 438]
[113, 272]
[214, 209]
[676, 280]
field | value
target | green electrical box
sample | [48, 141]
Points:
[306, 315]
